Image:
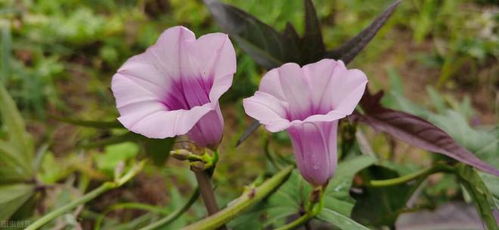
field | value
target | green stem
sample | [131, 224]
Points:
[410, 177]
[479, 192]
[246, 200]
[168, 219]
[84, 199]
[313, 208]
[298, 222]
[120, 206]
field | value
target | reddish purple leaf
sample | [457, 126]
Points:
[417, 131]
[351, 48]
[312, 45]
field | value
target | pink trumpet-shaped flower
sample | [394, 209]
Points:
[308, 102]
[173, 87]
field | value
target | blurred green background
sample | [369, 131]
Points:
[435, 58]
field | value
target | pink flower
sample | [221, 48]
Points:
[173, 87]
[308, 102]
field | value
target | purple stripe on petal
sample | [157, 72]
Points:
[308, 102]
[186, 93]
[173, 87]
[314, 146]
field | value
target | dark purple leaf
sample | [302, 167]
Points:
[416, 131]
[270, 48]
[265, 45]
[254, 125]
[290, 34]
[312, 46]
[351, 48]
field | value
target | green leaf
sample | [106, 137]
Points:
[482, 143]
[288, 201]
[5, 53]
[115, 154]
[492, 184]
[12, 159]
[52, 170]
[15, 127]
[380, 206]
[339, 220]
[396, 84]
[12, 197]
[351, 48]
[158, 149]
[437, 100]
[338, 189]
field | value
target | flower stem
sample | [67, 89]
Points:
[203, 170]
[206, 190]
[168, 219]
[410, 177]
[313, 208]
[87, 197]
[246, 200]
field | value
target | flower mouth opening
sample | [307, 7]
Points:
[186, 93]
[302, 116]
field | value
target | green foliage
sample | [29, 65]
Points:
[453, 118]
[290, 199]
[12, 197]
[16, 157]
[58, 56]
[389, 201]
[114, 154]
[340, 220]
[480, 194]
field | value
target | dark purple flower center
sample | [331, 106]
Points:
[304, 114]
[188, 92]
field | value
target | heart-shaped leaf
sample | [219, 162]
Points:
[349, 50]
[339, 220]
[380, 206]
[339, 186]
[288, 201]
